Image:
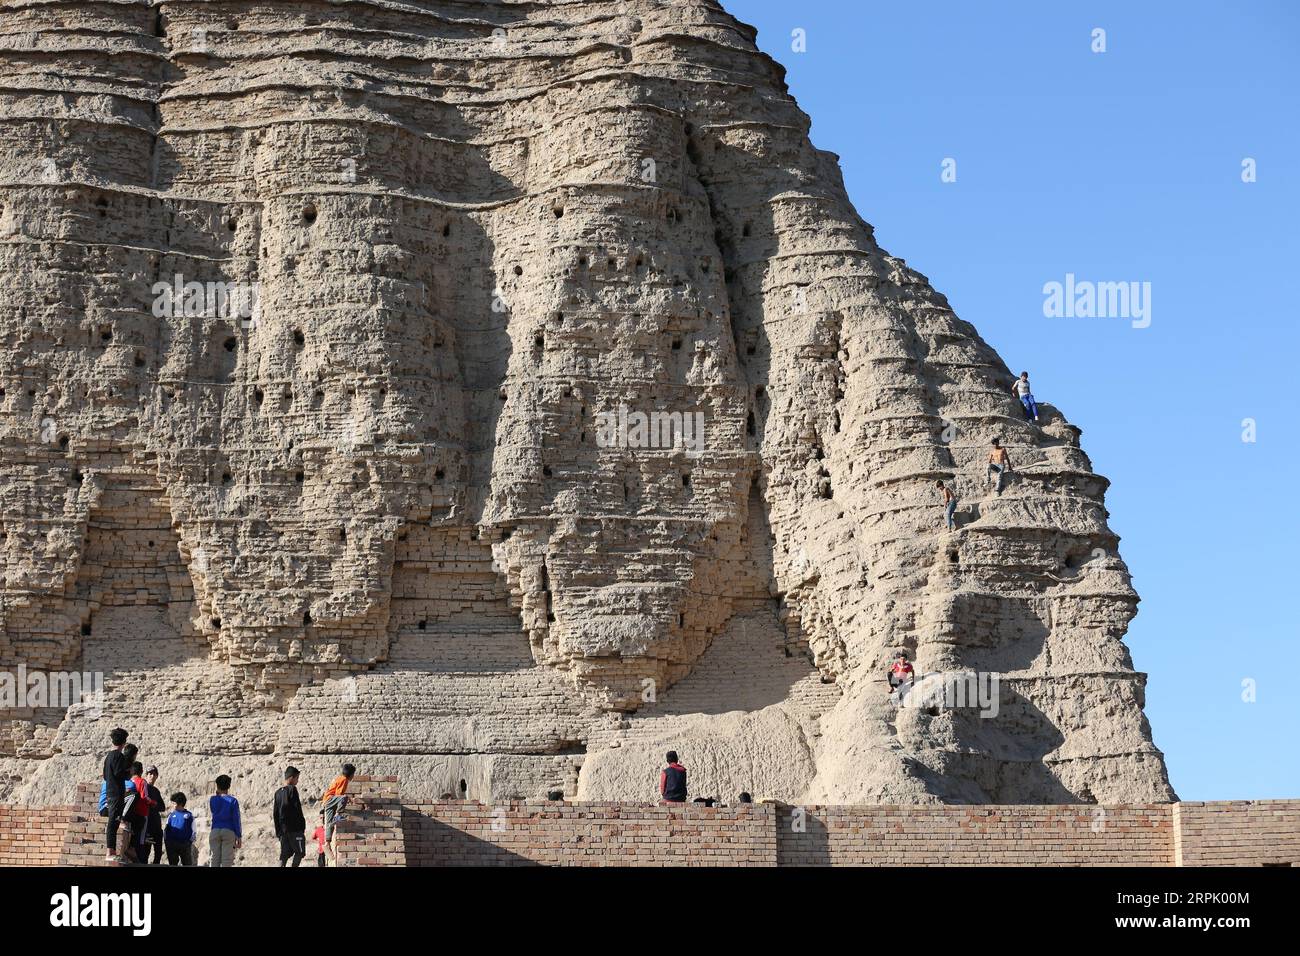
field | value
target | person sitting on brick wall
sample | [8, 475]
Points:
[672, 781]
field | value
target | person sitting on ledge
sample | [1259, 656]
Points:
[672, 781]
[900, 673]
[1020, 388]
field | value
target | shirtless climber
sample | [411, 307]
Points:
[1020, 389]
[949, 504]
[999, 464]
[900, 673]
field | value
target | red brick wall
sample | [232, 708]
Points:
[379, 830]
[32, 836]
[370, 833]
[1237, 833]
[460, 833]
[976, 836]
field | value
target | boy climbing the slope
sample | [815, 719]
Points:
[999, 465]
[949, 504]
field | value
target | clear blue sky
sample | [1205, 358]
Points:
[1116, 166]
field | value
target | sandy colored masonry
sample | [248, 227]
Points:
[350, 494]
[384, 829]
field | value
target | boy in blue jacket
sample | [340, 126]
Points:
[227, 834]
[178, 834]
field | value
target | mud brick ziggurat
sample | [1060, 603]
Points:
[376, 519]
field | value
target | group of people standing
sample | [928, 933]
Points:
[130, 800]
[999, 462]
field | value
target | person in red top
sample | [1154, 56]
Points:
[319, 836]
[672, 781]
[900, 672]
[139, 816]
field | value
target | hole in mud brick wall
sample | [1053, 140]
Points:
[298, 338]
[686, 480]
[746, 229]
[952, 557]
[139, 360]
[681, 620]
[440, 474]
[559, 211]
[306, 618]
[230, 344]
[77, 477]
[539, 341]
[309, 214]
[422, 625]
[343, 534]
[463, 788]
[232, 223]
[85, 629]
[446, 230]
[582, 261]
[225, 478]
[519, 270]
[750, 426]
[258, 396]
[298, 477]
[216, 623]
[63, 441]
[677, 345]
[546, 471]
[106, 333]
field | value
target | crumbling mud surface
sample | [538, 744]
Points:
[379, 516]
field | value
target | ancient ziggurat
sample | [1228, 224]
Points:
[376, 519]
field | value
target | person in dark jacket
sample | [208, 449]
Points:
[672, 781]
[290, 824]
[117, 771]
[153, 826]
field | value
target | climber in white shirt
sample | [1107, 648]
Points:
[1020, 388]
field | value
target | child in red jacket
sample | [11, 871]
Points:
[138, 818]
